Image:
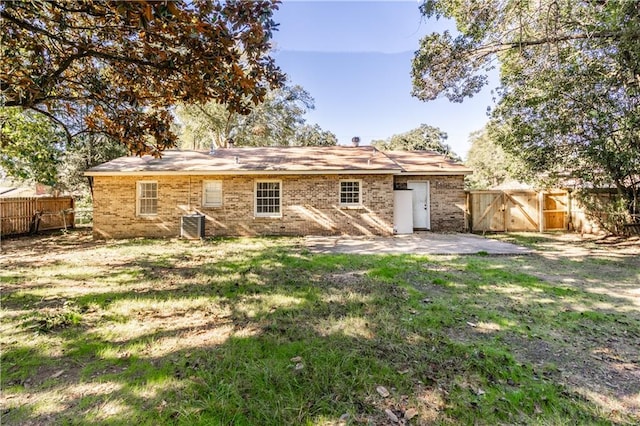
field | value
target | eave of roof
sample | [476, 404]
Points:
[282, 161]
[426, 163]
[437, 172]
[239, 172]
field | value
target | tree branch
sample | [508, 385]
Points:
[35, 29]
[501, 47]
[87, 10]
[56, 120]
[66, 63]
[129, 60]
[87, 52]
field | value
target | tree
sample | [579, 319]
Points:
[274, 122]
[424, 137]
[129, 62]
[29, 146]
[569, 102]
[491, 165]
[33, 149]
[86, 151]
[278, 121]
[313, 135]
[203, 126]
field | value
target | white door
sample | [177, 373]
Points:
[421, 214]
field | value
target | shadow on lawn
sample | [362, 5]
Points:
[584, 337]
[278, 336]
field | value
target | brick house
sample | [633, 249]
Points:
[279, 191]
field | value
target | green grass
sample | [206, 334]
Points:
[260, 331]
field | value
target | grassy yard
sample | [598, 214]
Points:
[263, 332]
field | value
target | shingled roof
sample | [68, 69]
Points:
[282, 160]
[426, 162]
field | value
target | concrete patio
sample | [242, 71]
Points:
[417, 243]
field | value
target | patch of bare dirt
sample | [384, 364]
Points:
[602, 365]
[47, 248]
[606, 372]
[575, 245]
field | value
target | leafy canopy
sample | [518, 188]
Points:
[129, 62]
[313, 135]
[86, 151]
[278, 121]
[491, 165]
[569, 102]
[32, 148]
[29, 146]
[203, 126]
[425, 137]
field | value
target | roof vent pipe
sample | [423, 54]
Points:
[355, 141]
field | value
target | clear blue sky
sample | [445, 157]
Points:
[354, 57]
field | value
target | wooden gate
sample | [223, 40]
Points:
[25, 214]
[517, 210]
[556, 210]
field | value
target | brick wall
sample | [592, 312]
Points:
[309, 206]
[447, 200]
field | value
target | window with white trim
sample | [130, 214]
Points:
[212, 193]
[147, 198]
[350, 193]
[268, 199]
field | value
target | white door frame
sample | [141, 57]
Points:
[427, 207]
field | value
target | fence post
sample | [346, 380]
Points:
[504, 210]
[540, 211]
[73, 213]
[467, 212]
[569, 219]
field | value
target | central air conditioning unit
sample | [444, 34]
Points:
[192, 226]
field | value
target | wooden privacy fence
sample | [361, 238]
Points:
[520, 210]
[31, 214]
